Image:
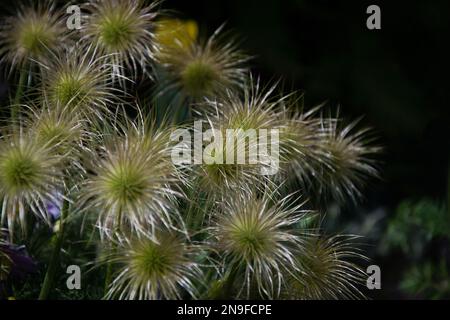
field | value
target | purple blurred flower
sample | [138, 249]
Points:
[20, 262]
[53, 206]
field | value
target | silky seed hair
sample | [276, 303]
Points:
[134, 184]
[350, 159]
[199, 69]
[159, 267]
[64, 131]
[259, 237]
[80, 80]
[329, 270]
[30, 173]
[246, 112]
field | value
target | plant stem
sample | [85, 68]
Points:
[54, 260]
[18, 97]
[108, 276]
[229, 282]
[109, 269]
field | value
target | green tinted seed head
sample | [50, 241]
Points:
[162, 267]
[32, 35]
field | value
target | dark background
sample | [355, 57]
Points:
[396, 77]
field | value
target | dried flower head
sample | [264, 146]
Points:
[249, 122]
[123, 30]
[203, 69]
[30, 172]
[259, 239]
[134, 182]
[80, 81]
[158, 267]
[32, 34]
[300, 132]
[59, 127]
[329, 270]
[348, 159]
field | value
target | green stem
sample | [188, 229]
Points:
[229, 283]
[19, 92]
[109, 268]
[225, 288]
[54, 260]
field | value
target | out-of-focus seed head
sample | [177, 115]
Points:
[329, 270]
[32, 34]
[80, 82]
[63, 130]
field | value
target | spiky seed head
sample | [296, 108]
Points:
[329, 270]
[158, 267]
[32, 34]
[80, 81]
[198, 78]
[300, 132]
[259, 238]
[29, 174]
[58, 127]
[349, 159]
[246, 118]
[134, 182]
[123, 30]
[204, 69]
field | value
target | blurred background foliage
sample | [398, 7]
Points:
[397, 78]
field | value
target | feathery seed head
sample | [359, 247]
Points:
[261, 239]
[204, 69]
[80, 82]
[299, 136]
[174, 32]
[56, 126]
[32, 34]
[159, 267]
[29, 174]
[123, 30]
[329, 270]
[348, 159]
[248, 122]
[135, 183]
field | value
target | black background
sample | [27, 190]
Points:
[396, 77]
